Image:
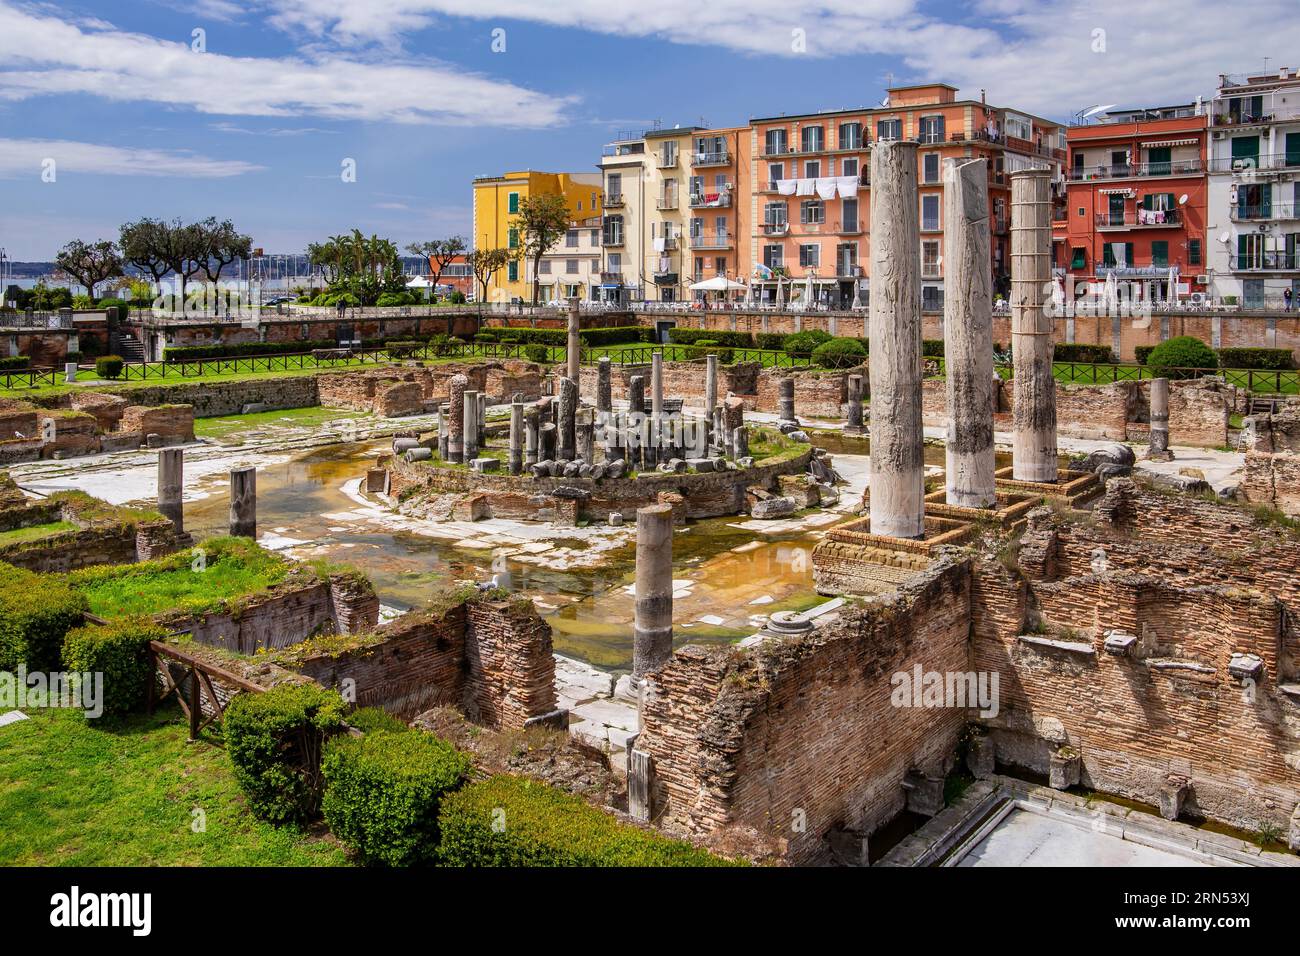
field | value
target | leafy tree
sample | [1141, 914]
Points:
[89, 263]
[222, 245]
[485, 263]
[541, 222]
[142, 244]
[439, 253]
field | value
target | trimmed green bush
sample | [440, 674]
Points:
[382, 793]
[616, 335]
[109, 366]
[932, 348]
[368, 719]
[119, 651]
[805, 343]
[1142, 352]
[36, 613]
[123, 307]
[1080, 352]
[1181, 357]
[513, 821]
[839, 353]
[771, 341]
[704, 347]
[403, 349]
[275, 740]
[1273, 360]
[15, 363]
[681, 336]
[536, 353]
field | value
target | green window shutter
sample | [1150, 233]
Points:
[1193, 252]
[1159, 161]
[512, 271]
[514, 203]
[1160, 253]
[514, 238]
[1245, 147]
[1108, 256]
[1293, 149]
[1128, 254]
[1080, 258]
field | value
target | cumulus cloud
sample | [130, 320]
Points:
[42, 55]
[28, 157]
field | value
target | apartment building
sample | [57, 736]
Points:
[496, 210]
[628, 181]
[570, 268]
[667, 264]
[1136, 203]
[1254, 189]
[809, 201]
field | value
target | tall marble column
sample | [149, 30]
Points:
[652, 628]
[1033, 450]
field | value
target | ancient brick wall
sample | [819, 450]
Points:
[1082, 411]
[174, 423]
[215, 399]
[1272, 466]
[807, 728]
[1199, 413]
[510, 664]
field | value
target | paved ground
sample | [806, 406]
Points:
[1026, 838]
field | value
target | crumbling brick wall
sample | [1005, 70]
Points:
[1272, 466]
[1082, 411]
[798, 737]
[174, 423]
[1199, 413]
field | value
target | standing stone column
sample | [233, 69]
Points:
[854, 418]
[171, 484]
[531, 435]
[480, 419]
[652, 628]
[785, 399]
[897, 459]
[636, 395]
[516, 460]
[1159, 438]
[968, 336]
[655, 453]
[573, 353]
[604, 387]
[1033, 451]
[568, 418]
[444, 420]
[243, 502]
[585, 435]
[740, 442]
[469, 422]
[710, 386]
[456, 423]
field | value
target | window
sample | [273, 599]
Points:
[613, 231]
[930, 168]
[512, 270]
[929, 212]
[1160, 253]
[889, 129]
[812, 168]
[571, 267]
[720, 264]
[514, 238]
[775, 173]
[1117, 255]
[931, 298]
[513, 203]
[812, 211]
[1245, 151]
[775, 214]
[546, 267]
[850, 135]
[615, 261]
[1079, 258]
[614, 188]
[810, 255]
[1193, 252]
[774, 142]
[851, 166]
[849, 214]
[812, 139]
[1019, 126]
[571, 239]
[579, 205]
[1293, 149]
[930, 257]
[773, 257]
[595, 237]
[1158, 161]
[846, 259]
[931, 129]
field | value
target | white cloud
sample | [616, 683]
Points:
[1035, 54]
[42, 55]
[21, 158]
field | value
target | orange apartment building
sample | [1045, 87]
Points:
[806, 219]
[1136, 202]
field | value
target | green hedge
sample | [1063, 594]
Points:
[536, 353]
[804, 343]
[735, 340]
[15, 363]
[771, 341]
[382, 793]
[1273, 360]
[840, 353]
[274, 740]
[932, 348]
[705, 347]
[512, 821]
[194, 353]
[374, 718]
[1142, 352]
[616, 335]
[119, 651]
[109, 366]
[524, 335]
[1079, 352]
[36, 613]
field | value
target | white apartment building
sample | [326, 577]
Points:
[626, 168]
[571, 268]
[1253, 216]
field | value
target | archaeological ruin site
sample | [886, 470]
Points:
[678, 610]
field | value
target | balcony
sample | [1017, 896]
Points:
[614, 201]
[665, 160]
[846, 269]
[1267, 262]
[776, 228]
[849, 227]
[612, 239]
[1264, 162]
[718, 200]
[718, 158]
[611, 278]
[1140, 219]
[712, 240]
[670, 243]
[1264, 212]
[666, 202]
[1177, 167]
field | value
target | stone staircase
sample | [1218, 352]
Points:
[126, 345]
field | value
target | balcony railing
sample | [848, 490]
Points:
[666, 202]
[776, 228]
[612, 239]
[1264, 161]
[670, 243]
[1275, 210]
[665, 161]
[712, 158]
[1267, 262]
[613, 200]
[849, 227]
[712, 240]
[1139, 219]
[1177, 167]
[716, 200]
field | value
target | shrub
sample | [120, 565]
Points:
[391, 299]
[382, 793]
[772, 341]
[275, 740]
[15, 363]
[1268, 359]
[680, 336]
[119, 651]
[932, 348]
[839, 353]
[536, 353]
[194, 353]
[1079, 352]
[616, 335]
[109, 366]
[403, 349]
[805, 343]
[544, 826]
[704, 347]
[1180, 357]
[372, 719]
[456, 298]
[123, 307]
[1142, 352]
[36, 613]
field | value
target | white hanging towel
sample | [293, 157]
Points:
[806, 187]
[660, 244]
[826, 187]
[786, 187]
[847, 185]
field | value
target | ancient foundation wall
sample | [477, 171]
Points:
[1272, 467]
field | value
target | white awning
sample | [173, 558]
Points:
[1169, 142]
[1126, 191]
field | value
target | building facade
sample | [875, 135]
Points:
[1254, 190]
[1136, 204]
[497, 202]
[628, 181]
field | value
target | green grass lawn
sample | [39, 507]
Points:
[228, 426]
[234, 568]
[74, 795]
[35, 532]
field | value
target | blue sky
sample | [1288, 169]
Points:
[255, 127]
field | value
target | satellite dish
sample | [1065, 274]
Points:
[1225, 238]
[1182, 200]
[1088, 114]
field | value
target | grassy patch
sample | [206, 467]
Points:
[234, 568]
[228, 426]
[75, 795]
[35, 532]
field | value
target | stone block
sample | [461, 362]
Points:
[1064, 769]
[485, 465]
